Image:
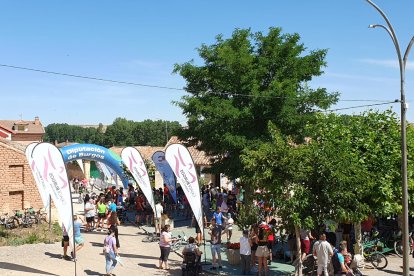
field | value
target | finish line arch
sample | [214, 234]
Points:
[95, 153]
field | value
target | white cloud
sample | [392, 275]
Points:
[358, 77]
[390, 63]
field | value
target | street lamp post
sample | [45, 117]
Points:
[402, 62]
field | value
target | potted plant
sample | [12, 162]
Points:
[233, 253]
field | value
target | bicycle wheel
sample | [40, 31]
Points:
[148, 239]
[174, 247]
[398, 248]
[378, 260]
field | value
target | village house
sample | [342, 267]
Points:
[22, 131]
[18, 187]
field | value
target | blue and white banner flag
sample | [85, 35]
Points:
[167, 173]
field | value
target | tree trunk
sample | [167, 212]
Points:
[298, 267]
[358, 249]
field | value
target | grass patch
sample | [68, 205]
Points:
[36, 234]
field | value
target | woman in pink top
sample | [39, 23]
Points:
[165, 245]
[110, 251]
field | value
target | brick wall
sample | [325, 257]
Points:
[17, 186]
[27, 137]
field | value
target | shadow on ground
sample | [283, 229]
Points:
[23, 268]
[90, 272]
[139, 257]
[53, 255]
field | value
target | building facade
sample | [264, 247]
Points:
[22, 131]
[18, 187]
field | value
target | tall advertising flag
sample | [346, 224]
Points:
[50, 164]
[183, 166]
[41, 185]
[134, 162]
[165, 170]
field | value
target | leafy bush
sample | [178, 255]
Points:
[247, 216]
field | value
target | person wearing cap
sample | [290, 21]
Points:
[245, 252]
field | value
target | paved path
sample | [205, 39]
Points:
[139, 258]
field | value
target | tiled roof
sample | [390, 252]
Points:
[64, 144]
[32, 127]
[200, 158]
[146, 151]
[15, 145]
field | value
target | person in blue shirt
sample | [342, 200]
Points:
[218, 216]
[111, 206]
[79, 241]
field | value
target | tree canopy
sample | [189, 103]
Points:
[349, 169]
[121, 132]
[245, 82]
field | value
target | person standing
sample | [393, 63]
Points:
[79, 241]
[215, 234]
[165, 246]
[322, 250]
[159, 210]
[90, 214]
[262, 251]
[199, 235]
[113, 223]
[245, 252]
[305, 237]
[229, 227]
[102, 212]
[65, 243]
[254, 232]
[110, 251]
[218, 217]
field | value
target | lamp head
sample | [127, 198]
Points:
[371, 26]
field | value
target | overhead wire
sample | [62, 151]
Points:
[161, 86]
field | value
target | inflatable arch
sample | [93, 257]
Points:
[95, 153]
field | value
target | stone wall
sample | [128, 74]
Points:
[18, 188]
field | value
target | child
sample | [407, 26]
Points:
[245, 252]
[229, 227]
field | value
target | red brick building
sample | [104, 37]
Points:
[22, 131]
[18, 187]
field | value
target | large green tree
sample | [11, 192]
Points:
[246, 81]
[349, 168]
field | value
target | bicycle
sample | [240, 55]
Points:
[399, 248]
[41, 215]
[179, 242]
[151, 237]
[377, 259]
[7, 222]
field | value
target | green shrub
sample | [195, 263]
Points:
[247, 216]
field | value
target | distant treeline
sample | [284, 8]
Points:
[121, 132]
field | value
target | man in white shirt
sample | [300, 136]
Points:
[90, 214]
[322, 250]
[159, 210]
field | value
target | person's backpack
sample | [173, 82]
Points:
[335, 263]
[106, 248]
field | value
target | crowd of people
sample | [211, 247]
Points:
[105, 211]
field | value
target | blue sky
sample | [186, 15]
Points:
[140, 41]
